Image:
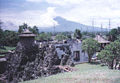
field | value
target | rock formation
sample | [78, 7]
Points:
[30, 62]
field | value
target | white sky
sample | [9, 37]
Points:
[82, 11]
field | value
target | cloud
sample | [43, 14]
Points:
[64, 2]
[58, 2]
[82, 11]
[34, 0]
[100, 10]
[33, 17]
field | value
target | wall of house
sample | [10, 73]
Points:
[74, 46]
[77, 46]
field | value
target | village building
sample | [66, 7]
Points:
[101, 40]
[76, 50]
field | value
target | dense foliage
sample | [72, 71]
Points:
[88, 34]
[60, 37]
[114, 34]
[90, 46]
[33, 29]
[77, 34]
[111, 54]
[44, 36]
[8, 38]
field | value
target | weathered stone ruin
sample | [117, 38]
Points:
[66, 58]
[29, 61]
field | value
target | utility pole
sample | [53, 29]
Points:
[54, 28]
[81, 29]
[106, 30]
[87, 29]
[101, 28]
[109, 25]
[93, 26]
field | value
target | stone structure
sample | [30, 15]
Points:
[30, 61]
[27, 37]
[27, 40]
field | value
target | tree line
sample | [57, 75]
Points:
[11, 38]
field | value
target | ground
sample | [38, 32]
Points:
[83, 73]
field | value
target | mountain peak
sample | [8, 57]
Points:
[66, 25]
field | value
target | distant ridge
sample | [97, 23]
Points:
[66, 25]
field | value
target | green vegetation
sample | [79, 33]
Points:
[33, 29]
[44, 36]
[114, 34]
[22, 27]
[111, 54]
[83, 73]
[77, 34]
[60, 37]
[90, 46]
[63, 35]
[7, 37]
[87, 34]
[6, 49]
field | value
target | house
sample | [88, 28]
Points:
[75, 47]
[101, 40]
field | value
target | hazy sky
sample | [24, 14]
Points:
[42, 12]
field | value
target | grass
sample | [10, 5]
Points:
[6, 49]
[84, 73]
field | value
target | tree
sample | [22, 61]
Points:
[113, 34]
[22, 27]
[10, 38]
[69, 36]
[110, 54]
[7, 37]
[90, 46]
[118, 37]
[60, 37]
[118, 30]
[1, 37]
[1, 34]
[44, 36]
[34, 30]
[77, 34]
